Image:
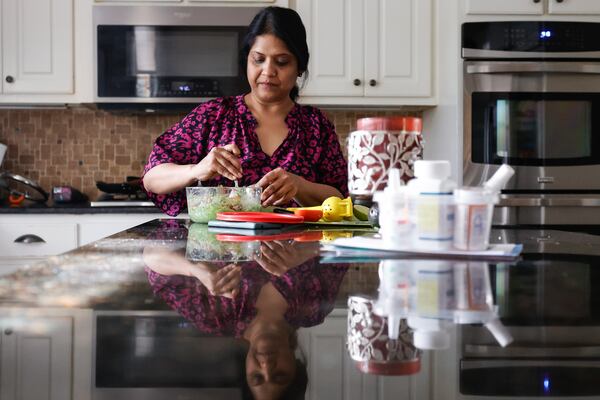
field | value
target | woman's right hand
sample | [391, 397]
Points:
[219, 280]
[224, 161]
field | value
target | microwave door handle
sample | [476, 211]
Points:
[531, 67]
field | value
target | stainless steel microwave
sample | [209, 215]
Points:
[168, 54]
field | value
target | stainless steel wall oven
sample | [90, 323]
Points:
[532, 100]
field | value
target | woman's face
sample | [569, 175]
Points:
[272, 69]
[270, 365]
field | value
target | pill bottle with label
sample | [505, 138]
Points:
[431, 205]
[393, 211]
[474, 207]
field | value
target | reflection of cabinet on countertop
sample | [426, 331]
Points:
[331, 368]
[26, 238]
[365, 52]
[533, 7]
[45, 354]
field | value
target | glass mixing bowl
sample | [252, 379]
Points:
[205, 202]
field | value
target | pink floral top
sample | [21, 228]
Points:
[311, 148]
[310, 290]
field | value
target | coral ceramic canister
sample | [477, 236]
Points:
[379, 144]
[369, 345]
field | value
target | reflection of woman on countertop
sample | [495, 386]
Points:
[263, 137]
[250, 303]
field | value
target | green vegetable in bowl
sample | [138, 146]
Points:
[205, 202]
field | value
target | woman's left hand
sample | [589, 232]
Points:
[279, 187]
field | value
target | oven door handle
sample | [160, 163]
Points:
[478, 364]
[548, 201]
[532, 67]
[475, 350]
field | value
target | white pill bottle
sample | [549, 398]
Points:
[431, 205]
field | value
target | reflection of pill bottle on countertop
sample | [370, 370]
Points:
[431, 205]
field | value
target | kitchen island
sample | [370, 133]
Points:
[166, 309]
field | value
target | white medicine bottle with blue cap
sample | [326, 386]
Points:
[431, 205]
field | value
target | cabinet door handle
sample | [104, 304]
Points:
[559, 1]
[357, 82]
[536, 1]
[8, 331]
[372, 82]
[29, 238]
[10, 79]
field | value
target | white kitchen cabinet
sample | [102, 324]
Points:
[574, 7]
[36, 358]
[31, 238]
[92, 229]
[28, 238]
[282, 3]
[37, 46]
[366, 52]
[533, 7]
[333, 375]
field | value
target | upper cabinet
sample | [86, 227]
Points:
[574, 6]
[37, 46]
[366, 52]
[533, 7]
[282, 3]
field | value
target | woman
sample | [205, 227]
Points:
[263, 137]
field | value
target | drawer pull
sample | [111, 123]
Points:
[29, 238]
[8, 331]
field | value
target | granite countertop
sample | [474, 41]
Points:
[538, 307]
[110, 273]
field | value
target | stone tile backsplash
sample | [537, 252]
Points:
[79, 146]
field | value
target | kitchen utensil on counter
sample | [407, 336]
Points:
[333, 208]
[377, 145]
[259, 216]
[309, 215]
[18, 186]
[205, 202]
[132, 186]
[67, 195]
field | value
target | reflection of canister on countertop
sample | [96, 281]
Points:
[378, 145]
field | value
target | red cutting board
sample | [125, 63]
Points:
[258, 216]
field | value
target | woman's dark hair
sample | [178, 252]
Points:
[285, 24]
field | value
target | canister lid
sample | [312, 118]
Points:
[432, 169]
[475, 195]
[380, 124]
[413, 124]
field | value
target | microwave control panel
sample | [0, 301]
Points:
[204, 88]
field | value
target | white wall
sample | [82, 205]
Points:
[442, 125]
